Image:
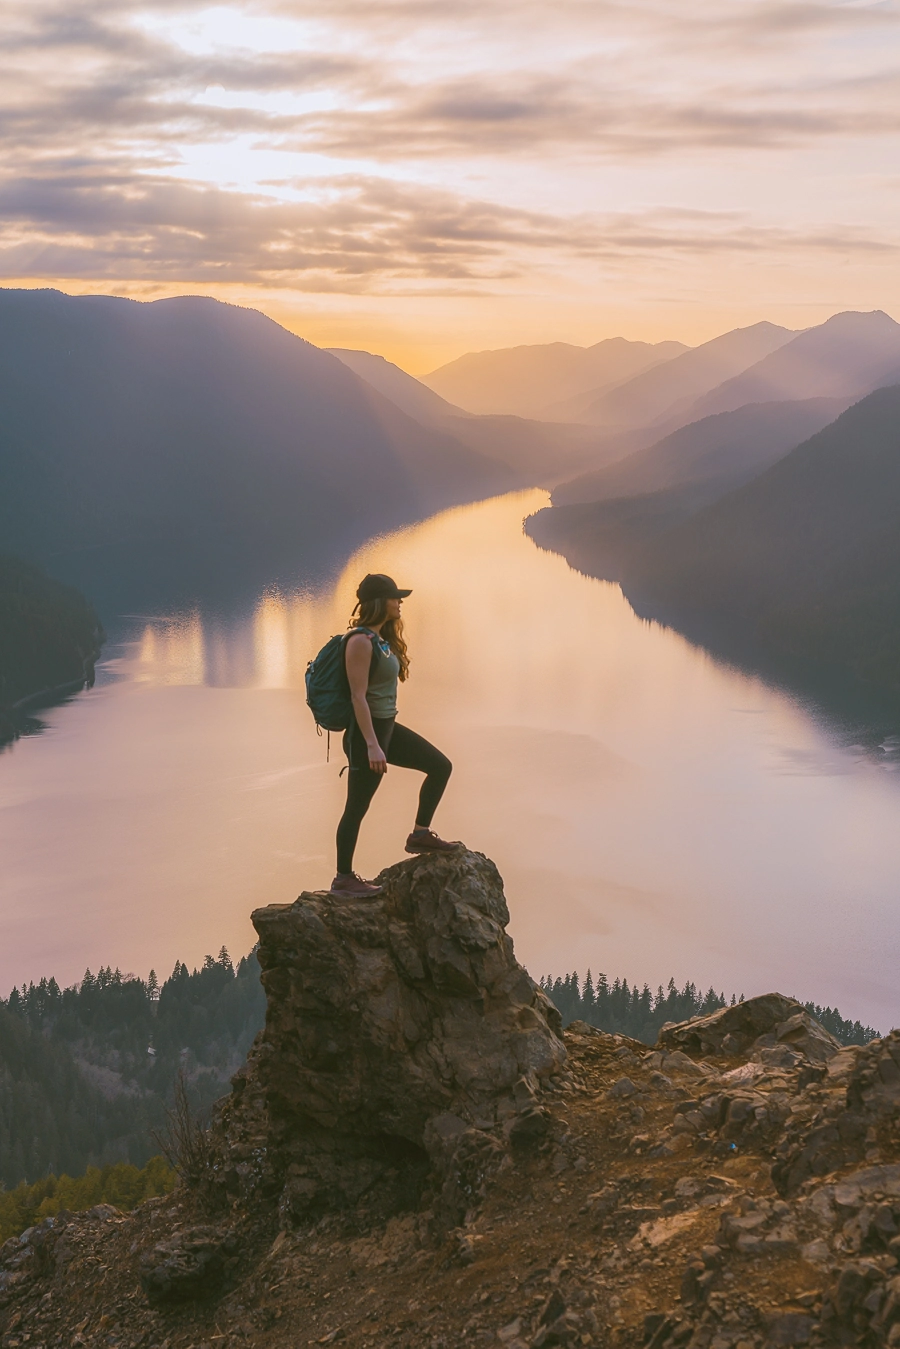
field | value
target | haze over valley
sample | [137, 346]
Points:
[203, 467]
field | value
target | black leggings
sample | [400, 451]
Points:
[404, 749]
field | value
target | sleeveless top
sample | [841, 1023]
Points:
[381, 694]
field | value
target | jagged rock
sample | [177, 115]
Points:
[529, 1128]
[190, 1264]
[841, 1119]
[862, 1305]
[395, 1028]
[776, 1027]
[46, 1248]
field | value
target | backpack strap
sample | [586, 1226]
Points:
[367, 632]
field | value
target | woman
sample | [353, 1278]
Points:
[376, 660]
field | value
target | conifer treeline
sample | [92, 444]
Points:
[123, 1185]
[623, 1010]
[86, 1072]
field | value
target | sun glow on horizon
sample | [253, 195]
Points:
[422, 181]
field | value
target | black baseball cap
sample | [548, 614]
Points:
[377, 586]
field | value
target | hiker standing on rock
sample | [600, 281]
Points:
[376, 661]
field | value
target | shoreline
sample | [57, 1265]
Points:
[15, 720]
[848, 704]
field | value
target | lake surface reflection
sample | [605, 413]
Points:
[652, 812]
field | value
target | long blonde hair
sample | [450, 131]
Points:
[371, 613]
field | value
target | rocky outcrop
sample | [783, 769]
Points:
[401, 1036]
[819, 1112]
[408, 1159]
[848, 1113]
[772, 1027]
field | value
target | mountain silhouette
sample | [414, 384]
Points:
[664, 392]
[543, 453]
[405, 391]
[189, 450]
[536, 381]
[849, 355]
[805, 560]
[720, 452]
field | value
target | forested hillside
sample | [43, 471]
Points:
[121, 1184]
[805, 560]
[718, 453]
[86, 1073]
[50, 637]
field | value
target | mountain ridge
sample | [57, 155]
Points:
[800, 565]
[534, 380]
[795, 574]
[544, 452]
[659, 395]
[183, 449]
[849, 355]
[720, 449]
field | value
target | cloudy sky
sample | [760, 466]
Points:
[425, 177]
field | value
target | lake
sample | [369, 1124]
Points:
[652, 811]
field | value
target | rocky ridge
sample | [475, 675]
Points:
[411, 1157]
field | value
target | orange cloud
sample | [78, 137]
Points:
[588, 166]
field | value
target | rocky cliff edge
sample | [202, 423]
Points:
[412, 1157]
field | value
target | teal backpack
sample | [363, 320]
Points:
[327, 685]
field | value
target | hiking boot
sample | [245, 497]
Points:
[426, 840]
[354, 887]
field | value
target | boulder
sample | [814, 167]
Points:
[382, 1014]
[191, 1264]
[776, 1028]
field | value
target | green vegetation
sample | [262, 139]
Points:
[49, 639]
[88, 1072]
[623, 1010]
[52, 1117]
[122, 1185]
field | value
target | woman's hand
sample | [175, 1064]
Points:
[377, 757]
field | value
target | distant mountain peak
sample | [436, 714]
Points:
[539, 380]
[868, 319]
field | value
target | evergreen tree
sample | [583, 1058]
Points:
[621, 1009]
[53, 1118]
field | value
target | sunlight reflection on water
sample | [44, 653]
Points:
[653, 813]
